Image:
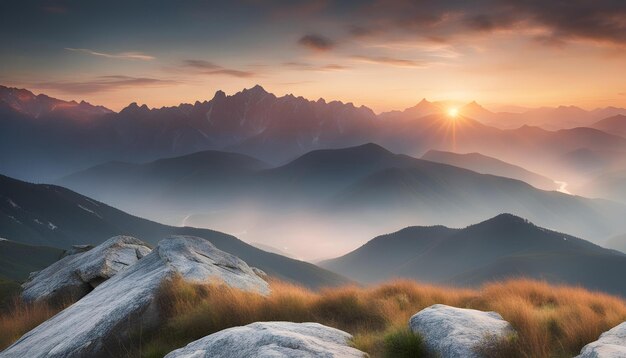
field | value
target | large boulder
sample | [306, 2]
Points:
[77, 274]
[99, 325]
[272, 339]
[611, 344]
[456, 332]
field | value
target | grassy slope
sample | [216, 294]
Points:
[18, 260]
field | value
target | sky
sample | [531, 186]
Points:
[383, 54]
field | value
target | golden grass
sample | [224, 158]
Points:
[20, 317]
[551, 321]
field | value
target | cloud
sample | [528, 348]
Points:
[305, 66]
[104, 83]
[384, 60]
[121, 55]
[209, 68]
[316, 42]
[562, 21]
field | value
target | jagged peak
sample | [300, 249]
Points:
[135, 107]
[219, 94]
[256, 89]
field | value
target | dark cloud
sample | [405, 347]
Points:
[316, 42]
[600, 20]
[481, 23]
[103, 84]
[209, 68]
[384, 60]
[562, 20]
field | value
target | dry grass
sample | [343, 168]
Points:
[20, 317]
[551, 321]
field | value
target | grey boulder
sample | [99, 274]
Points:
[272, 339]
[99, 324]
[75, 275]
[455, 332]
[611, 344]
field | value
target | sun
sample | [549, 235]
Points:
[453, 112]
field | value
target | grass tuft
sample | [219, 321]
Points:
[405, 344]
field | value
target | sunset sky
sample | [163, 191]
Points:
[382, 54]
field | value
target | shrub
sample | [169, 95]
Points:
[405, 344]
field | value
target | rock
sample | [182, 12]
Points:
[259, 272]
[611, 344]
[454, 332]
[76, 249]
[272, 339]
[74, 276]
[99, 324]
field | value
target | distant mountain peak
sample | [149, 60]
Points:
[219, 94]
[257, 89]
[506, 218]
[504, 222]
[370, 146]
[134, 108]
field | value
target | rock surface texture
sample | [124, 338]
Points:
[455, 332]
[74, 276]
[272, 339]
[98, 325]
[611, 344]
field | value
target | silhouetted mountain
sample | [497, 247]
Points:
[43, 107]
[54, 216]
[551, 118]
[614, 125]
[502, 247]
[326, 171]
[487, 165]
[476, 111]
[273, 129]
[18, 260]
[422, 109]
[252, 121]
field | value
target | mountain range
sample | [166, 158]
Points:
[351, 193]
[56, 138]
[505, 246]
